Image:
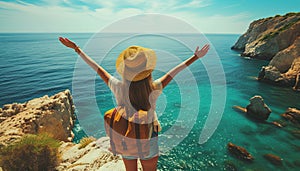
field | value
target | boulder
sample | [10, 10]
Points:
[293, 115]
[53, 115]
[239, 152]
[276, 160]
[270, 73]
[258, 109]
[297, 83]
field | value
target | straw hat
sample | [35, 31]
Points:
[136, 63]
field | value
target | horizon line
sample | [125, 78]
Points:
[113, 33]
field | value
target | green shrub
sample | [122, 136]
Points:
[32, 153]
[86, 141]
[277, 15]
[288, 25]
[291, 14]
[269, 35]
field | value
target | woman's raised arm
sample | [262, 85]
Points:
[101, 71]
[173, 72]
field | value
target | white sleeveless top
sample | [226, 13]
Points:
[116, 86]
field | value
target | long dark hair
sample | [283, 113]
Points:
[139, 93]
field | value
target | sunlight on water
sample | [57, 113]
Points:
[33, 65]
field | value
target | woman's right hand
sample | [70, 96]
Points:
[67, 42]
[202, 52]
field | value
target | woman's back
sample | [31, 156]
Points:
[136, 95]
[137, 91]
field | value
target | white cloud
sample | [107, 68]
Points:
[32, 18]
[233, 24]
[18, 17]
[193, 4]
[174, 5]
[14, 6]
[106, 4]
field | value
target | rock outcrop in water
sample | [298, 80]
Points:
[239, 152]
[276, 39]
[274, 159]
[293, 115]
[258, 109]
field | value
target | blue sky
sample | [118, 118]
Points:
[209, 16]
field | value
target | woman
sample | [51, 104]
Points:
[137, 90]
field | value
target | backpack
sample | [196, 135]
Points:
[129, 135]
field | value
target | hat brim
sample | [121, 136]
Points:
[138, 75]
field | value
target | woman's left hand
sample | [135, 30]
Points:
[202, 52]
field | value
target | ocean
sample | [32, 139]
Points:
[198, 103]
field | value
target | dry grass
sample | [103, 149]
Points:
[86, 141]
[31, 152]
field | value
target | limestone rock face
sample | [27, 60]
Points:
[266, 37]
[91, 157]
[258, 109]
[276, 39]
[284, 59]
[53, 115]
[95, 156]
[284, 68]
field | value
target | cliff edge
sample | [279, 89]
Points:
[55, 115]
[276, 39]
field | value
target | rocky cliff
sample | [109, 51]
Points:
[95, 156]
[55, 115]
[276, 39]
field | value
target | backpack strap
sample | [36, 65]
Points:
[112, 144]
[137, 133]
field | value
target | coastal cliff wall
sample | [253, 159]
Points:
[55, 115]
[276, 39]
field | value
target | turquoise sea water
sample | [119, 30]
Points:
[33, 65]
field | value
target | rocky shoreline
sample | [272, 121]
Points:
[55, 116]
[276, 39]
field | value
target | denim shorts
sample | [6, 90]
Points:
[154, 151]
